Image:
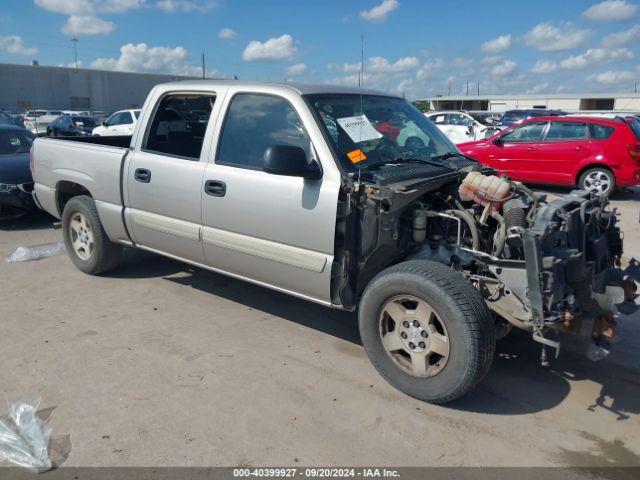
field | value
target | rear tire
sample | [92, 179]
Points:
[87, 244]
[441, 342]
[598, 180]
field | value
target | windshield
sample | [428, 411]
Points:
[373, 130]
[15, 141]
[84, 121]
[513, 116]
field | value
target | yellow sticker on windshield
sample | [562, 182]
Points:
[356, 156]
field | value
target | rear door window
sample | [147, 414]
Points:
[566, 131]
[175, 129]
[531, 132]
[600, 132]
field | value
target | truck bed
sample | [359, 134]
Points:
[95, 163]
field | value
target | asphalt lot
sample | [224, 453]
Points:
[162, 364]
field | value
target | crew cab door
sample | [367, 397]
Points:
[164, 175]
[272, 229]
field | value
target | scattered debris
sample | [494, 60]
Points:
[37, 252]
[25, 437]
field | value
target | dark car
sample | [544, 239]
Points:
[514, 116]
[16, 183]
[71, 126]
[7, 118]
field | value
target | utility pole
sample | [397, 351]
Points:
[478, 88]
[449, 92]
[203, 75]
[75, 51]
[467, 94]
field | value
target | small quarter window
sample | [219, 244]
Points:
[179, 125]
[600, 132]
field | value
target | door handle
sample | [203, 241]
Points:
[579, 148]
[215, 188]
[142, 175]
[530, 149]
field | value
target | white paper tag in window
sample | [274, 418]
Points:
[359, 128]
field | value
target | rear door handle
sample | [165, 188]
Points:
[215, 188]
[142, 175]
[530, 149]
[579, 148]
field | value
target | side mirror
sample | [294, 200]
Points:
[291, 161]
[497, 141]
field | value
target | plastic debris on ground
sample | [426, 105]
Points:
[37, 252]
[25, 437]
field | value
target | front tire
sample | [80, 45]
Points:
[426, 330]
[87, 244]
[598, 180]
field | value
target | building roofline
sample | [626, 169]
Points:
[459, 98]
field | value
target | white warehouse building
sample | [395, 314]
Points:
[618, 102]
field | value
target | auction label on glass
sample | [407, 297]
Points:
[359, 128]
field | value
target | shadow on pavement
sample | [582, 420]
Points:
[515, 385]
[28, 221]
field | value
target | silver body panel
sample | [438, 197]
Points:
[273, 230]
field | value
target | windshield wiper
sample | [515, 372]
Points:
[420, 160]
[448, 155]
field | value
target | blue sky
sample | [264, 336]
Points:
[414, 47]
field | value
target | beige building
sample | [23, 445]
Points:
[619, 102]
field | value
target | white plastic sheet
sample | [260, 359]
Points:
[37, 252]
[24, 437]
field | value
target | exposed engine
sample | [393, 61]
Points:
[540, 263]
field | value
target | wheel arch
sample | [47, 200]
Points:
[66, 190]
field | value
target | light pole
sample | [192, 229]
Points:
[75, 51]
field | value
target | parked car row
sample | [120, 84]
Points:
[594, 153]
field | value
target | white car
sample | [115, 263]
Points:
[37, 121]
[119, 123]
[460, 127]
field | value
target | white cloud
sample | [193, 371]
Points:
[89, 7]
[273, 50]
[428, 69]
[173, 6]
[227, 33]
[379, 12]
[297, 69]
[549, 38]
[539, 88]
[14, 44]
[345, 67]
[497, 45]
[610, 10]
[87, 25]
[596, 56]
[382, 65]
[622, 38]
[143, 58]
[67, 7]
[613, 77]
[491, 59]
[504, 68]
[544, 66]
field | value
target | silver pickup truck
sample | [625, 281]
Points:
[348, 198]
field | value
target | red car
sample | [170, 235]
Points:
[595, 154]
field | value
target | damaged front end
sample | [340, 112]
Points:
[542, 265]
